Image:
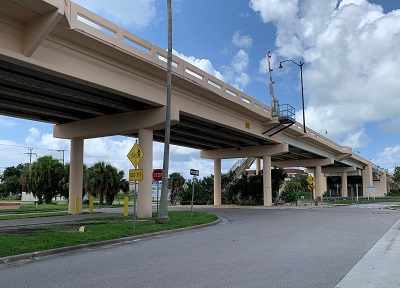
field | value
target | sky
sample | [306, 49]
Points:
[350, 50]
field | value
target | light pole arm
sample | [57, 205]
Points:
[302, 89]
[288, 60]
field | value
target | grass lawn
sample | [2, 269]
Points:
[25, 240]
[31, 207]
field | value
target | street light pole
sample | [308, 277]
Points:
[302, 89]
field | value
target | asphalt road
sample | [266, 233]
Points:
[251, 248]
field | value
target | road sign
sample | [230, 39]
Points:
[157, 174]
[135, 174]
[194, 172]
[310, 180]
[310, 187]
[135, 154]
[370, 189]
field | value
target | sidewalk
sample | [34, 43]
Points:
[379, 268]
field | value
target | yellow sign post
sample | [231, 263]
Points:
[135, 154]
[135, 174]
[310, 187]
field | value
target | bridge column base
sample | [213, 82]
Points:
[267, 180]
[320, 183]
[145, 187]
[217, 181]
[76, 175]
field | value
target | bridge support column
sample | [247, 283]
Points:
[145, 187]
[344, 184]
[319, 183]
[367, 179]
[76, 175]
[381, 187]
[267, 180]
[217, 181]
[258, 164]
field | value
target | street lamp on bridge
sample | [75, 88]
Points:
[302, 90]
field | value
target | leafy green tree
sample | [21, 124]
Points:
[11, 185]
[396, 177]
[175, 185]
[278, 177]
[123, 183]
[3, 192]
[64, 192]
[10, 180]
[248, 189]
[44, 177]
[290, 196]
[297, 183]
[227, 179]
[203, 191]
[104, 180]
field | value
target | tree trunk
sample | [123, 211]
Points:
[101, 197]
[163, 211]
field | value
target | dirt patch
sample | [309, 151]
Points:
[21, 232]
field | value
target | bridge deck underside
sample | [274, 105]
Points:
[35, 95]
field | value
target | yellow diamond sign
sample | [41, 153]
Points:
[135, 155]
[310, 180]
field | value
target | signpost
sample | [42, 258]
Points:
[357, 192]
[135, 155]
[157, 176]
[194, 173]
[310, 186]
[371, 189]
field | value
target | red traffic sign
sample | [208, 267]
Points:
[157, 174]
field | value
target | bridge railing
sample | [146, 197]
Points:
[87, 21]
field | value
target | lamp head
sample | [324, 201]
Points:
[280, 66]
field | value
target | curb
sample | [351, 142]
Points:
[36, 256]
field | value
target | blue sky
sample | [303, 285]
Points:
[349, 47]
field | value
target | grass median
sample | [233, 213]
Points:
[24, 240]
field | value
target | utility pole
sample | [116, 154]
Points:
[30, 153]
[62, 150]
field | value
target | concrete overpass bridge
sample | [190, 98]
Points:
[62, 64]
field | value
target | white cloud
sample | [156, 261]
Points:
[203, 64]
[139, 13]
[234, 74]
[242, 41]
[356, 140]
[389, 157]
[240, 61]
[351, 59]
[33, 135]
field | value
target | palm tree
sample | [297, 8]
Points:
[163, 211]
[103, 179]
[175, 184]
